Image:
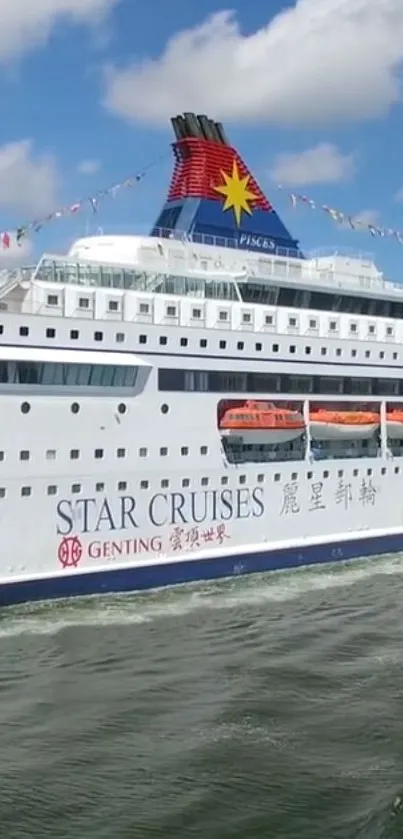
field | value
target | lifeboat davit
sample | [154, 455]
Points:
[261, 423]
[327, 424]
[394, 424]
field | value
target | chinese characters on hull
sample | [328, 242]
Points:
[342, 495]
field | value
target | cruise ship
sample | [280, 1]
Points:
[203, 402]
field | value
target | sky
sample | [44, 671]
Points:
[309, 92]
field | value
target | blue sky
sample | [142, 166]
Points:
[94, 82]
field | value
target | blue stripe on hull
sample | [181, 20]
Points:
[174, 573]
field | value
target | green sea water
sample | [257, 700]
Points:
[262, 707]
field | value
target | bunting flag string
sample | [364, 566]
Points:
[20, 233]
[345, 219]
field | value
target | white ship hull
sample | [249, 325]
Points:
[267, 437]
[127, 542]
[336, 431]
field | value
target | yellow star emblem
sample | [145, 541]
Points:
[236, 193]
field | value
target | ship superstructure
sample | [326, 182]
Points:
[203, 402]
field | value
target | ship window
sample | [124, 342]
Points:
[164, 483]
[74, 407]
[120, 337]
[367, 353]
[113, 305]
[203, 449]
[144, 309]
[142, 339]
[222, 315]
[353, 327]
[143, 484]
[99, 487]
[260, 479]
[163, 340]
[258, 347]
[122, 485]
[323, 350]
[171, 311]
[383, 470]
[52, 489]
[397, 470]
[246, 317]
[52, 300]
[382, 354]
[338, 351]
[51, 333]
[67, 375]
[355, 473]
[292, 348]
[275, 348]
[75, 488]
[1, 328]
[163, 451]
[120, 452]
[74, 454]
[196, 314]
[277, 476]
[98, 453]
[223, 345]
[389, 330]
[307, 350]
[184, 450]
[142, 452]
[26, 491]
[185, 482]
[24, 455]
[371, 329]
[184, 342]
[25, 408]
[74, 333]
[203, 343]
[24, 331]
[224, 480]
[240, 345]
[394, 356]
[98, 336]
[2, 492]
[292, 321]
[326, 474]
[122, 408]
[50, 454]
[333, 325]
[84, 302]
[353, 353]
[313, 323]
[242, 479]
[1, 455]
[309, 475]
[204, 482]
[369, 471]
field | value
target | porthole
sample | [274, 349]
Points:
[75, 408]
[164, 408]
[122, 408]
[25, 408]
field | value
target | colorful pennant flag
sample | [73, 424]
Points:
[20, 233]
[354, 222]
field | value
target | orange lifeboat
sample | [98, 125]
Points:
[328, 424]
[394, 424]
[261, 423]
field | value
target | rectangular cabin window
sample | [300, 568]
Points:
[52, 300]
[52, 374]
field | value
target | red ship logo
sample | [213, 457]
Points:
[70, 552]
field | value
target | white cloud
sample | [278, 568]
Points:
[399, 195]
[25, 24]
[28, 183]
[317, 61]
[322, 164]
[89, 167]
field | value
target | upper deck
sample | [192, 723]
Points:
[193, 266]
